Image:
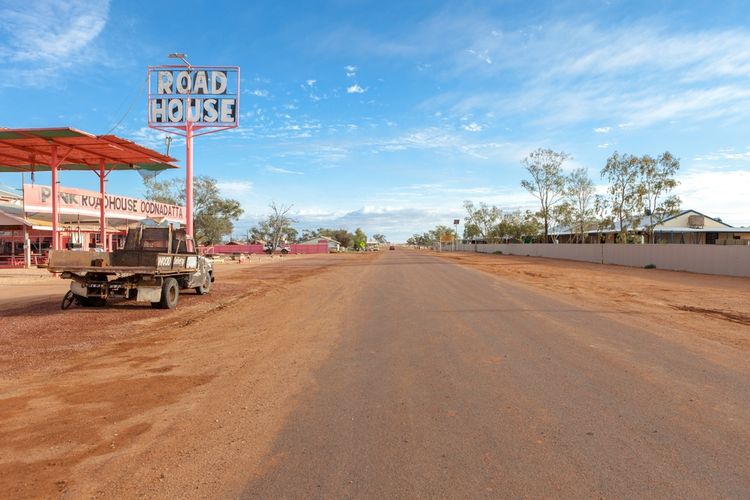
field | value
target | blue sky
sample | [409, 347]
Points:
[387, 115]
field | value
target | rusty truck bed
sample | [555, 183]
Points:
[121, 262]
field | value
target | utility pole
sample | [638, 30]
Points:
[455, 234]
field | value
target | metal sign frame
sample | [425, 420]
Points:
[190, 129]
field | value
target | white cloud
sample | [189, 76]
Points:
[604, 146]
[637, 73]
[259, 93]
[473, 127]
[717, 194]
[234, 188]
[448, 143]
[311, 83]
[355, 89]
[725, 155]
[44, 38]
[351, 71]
[602, 130]
[483, 55]
[279, 170]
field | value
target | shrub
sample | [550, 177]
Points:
[649, 266]
[498, 252]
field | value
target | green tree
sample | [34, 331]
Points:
[279, 223]
[343, 236]
[213, 215]
[657, 181]
[420, 240]
[602, 215]
[308, 234]
[530, 227]
[380, 238]
[360, 239]
[442, 234]
[480, 220]
[580, 193]
[276, 227]
[624, 190]
[547, 183]
[261, 232]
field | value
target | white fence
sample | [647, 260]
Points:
[729, 260]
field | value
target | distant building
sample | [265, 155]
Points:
[333, 245]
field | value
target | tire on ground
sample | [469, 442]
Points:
[205, 287]
[170, 294]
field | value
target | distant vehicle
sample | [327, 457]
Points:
[391, 247]
[283, 249]
[155, 264]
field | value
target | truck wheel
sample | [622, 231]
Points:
[67, 300]
[205, 287]
[170, 294]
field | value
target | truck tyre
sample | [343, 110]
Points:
[170, 294]
[67, 300]
[205, 287]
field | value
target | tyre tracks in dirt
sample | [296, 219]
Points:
[179, 404]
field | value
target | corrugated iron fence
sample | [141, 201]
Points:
[258, 249]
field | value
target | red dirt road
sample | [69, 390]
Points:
[397, 375]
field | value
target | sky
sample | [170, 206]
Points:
[387, 115]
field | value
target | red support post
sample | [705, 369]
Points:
[189, 172]
[53, 167]
[102, 219]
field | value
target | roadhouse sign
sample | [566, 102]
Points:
[81, 202]
[206, 96]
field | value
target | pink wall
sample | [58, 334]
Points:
[257, 249]
[307, 249]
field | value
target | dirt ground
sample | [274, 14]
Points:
[98, 402]
[712, 307]
[128, 401]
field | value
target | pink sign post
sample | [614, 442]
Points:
[192, 101]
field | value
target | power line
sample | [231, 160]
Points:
[130, 108]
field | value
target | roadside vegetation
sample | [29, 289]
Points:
[639, 191]
[277, 228]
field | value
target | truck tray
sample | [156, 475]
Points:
[121, 262]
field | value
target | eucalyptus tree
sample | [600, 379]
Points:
[656, 184]
[580, 193]
[547, 181]
[480, 220]
[624, 190]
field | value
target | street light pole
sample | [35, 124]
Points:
[455, 235]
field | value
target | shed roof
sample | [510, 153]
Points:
[31, 150]
[318, 238]
[11, 221]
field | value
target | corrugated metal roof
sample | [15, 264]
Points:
[31, 150]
